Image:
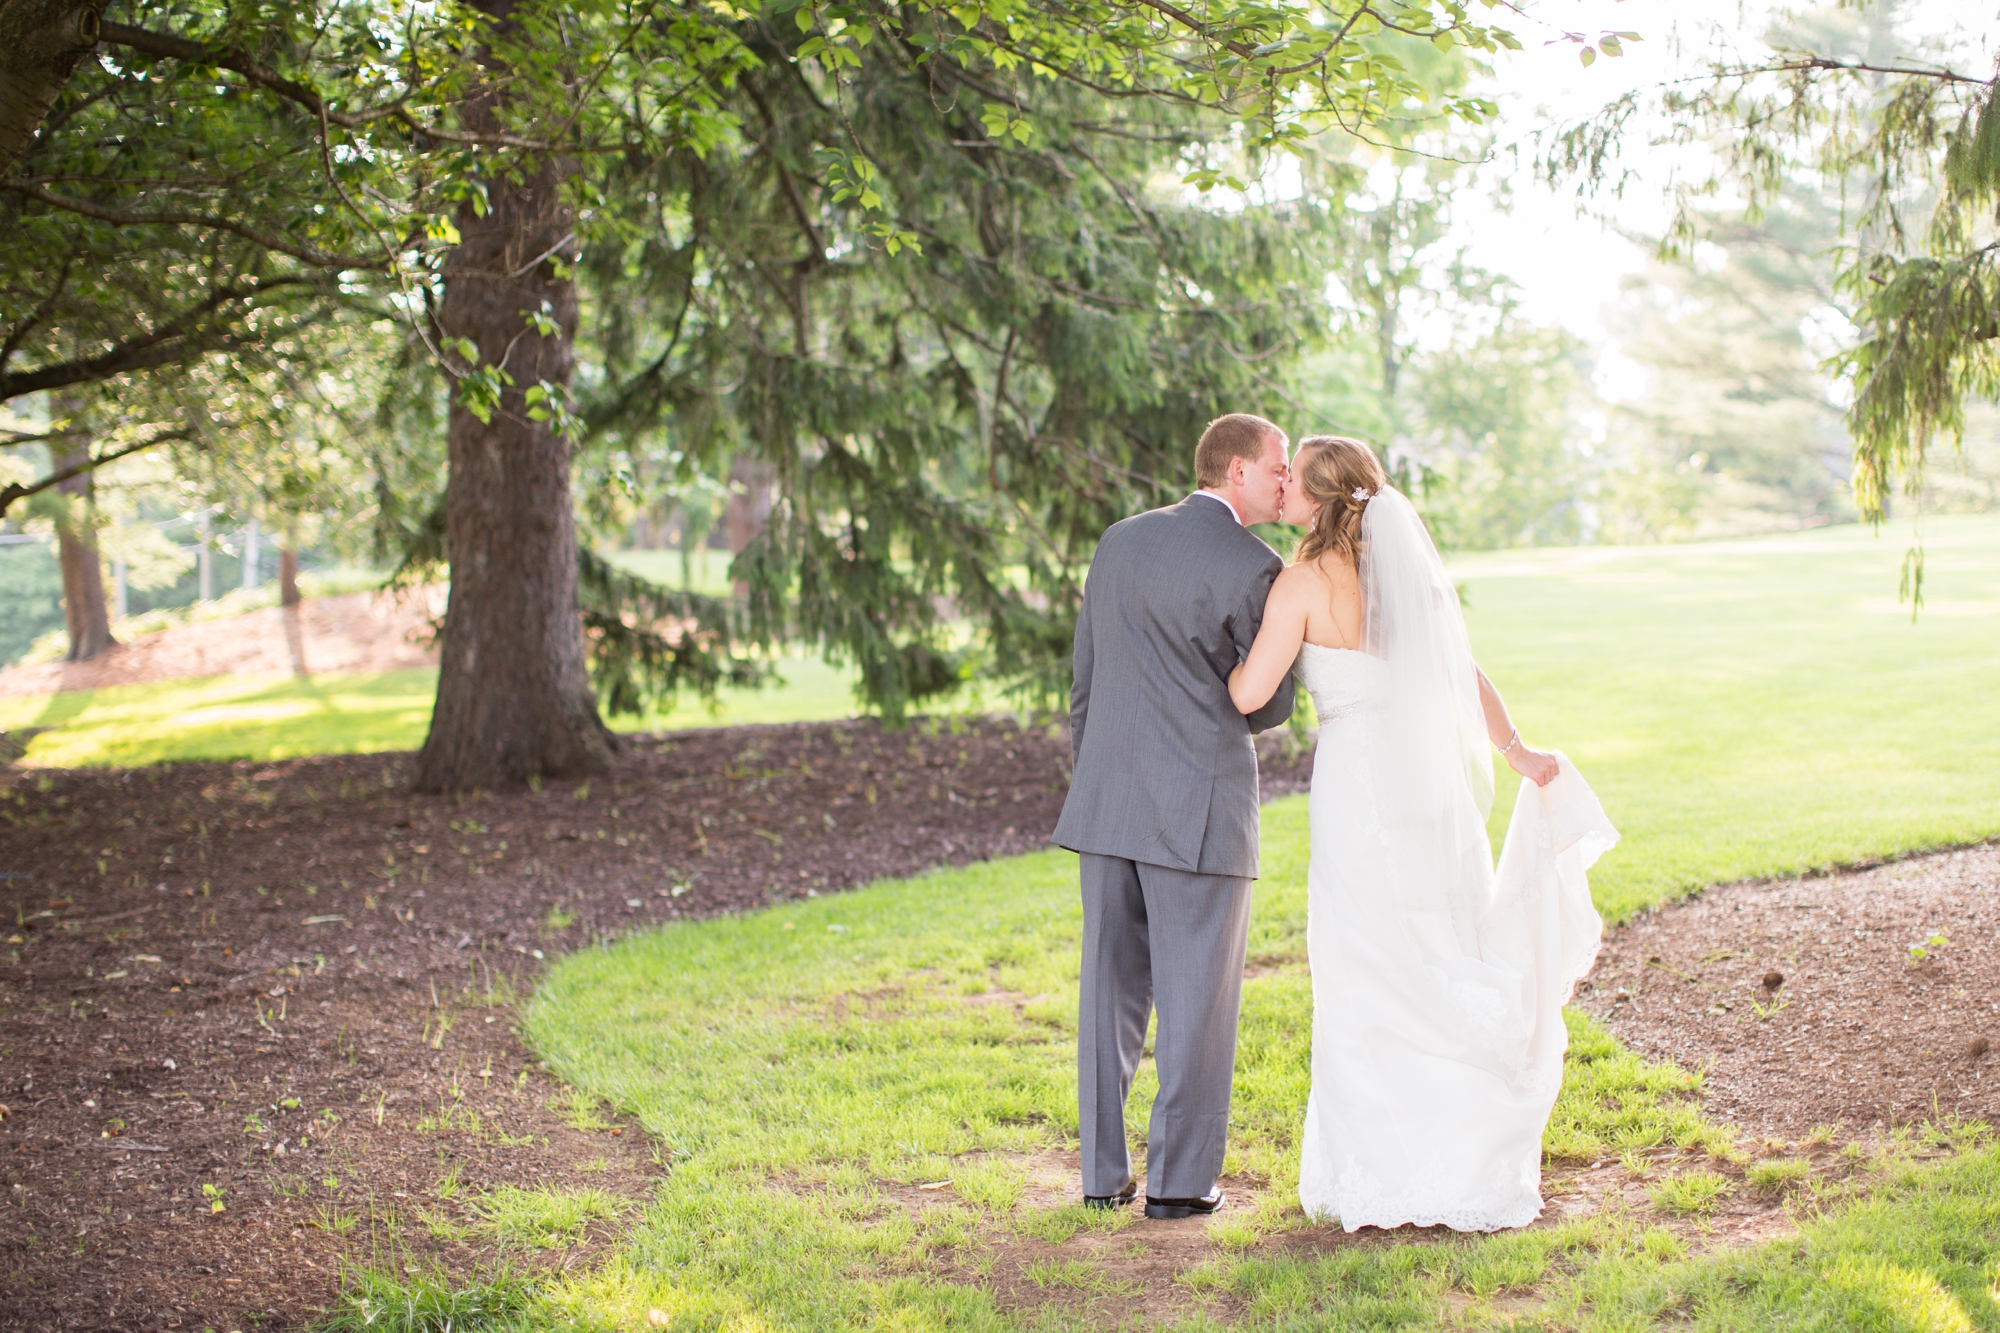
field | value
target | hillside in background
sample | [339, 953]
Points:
[350, 634]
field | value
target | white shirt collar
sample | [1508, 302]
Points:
[1225, 504]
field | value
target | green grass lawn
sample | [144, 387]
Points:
[799, 1064]
[1743, 708]
[1756, 707]
[281, 717]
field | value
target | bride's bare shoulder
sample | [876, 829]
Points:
[1321, 573]
[1296, 579]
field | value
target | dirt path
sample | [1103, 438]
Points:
[356, 632]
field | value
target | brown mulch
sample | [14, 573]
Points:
[355, 632]
[285, 988]
[1803, 1001]
[293, 983]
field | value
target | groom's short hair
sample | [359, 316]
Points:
[1238, 435]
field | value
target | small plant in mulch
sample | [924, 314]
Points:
[1923, 950]
[1690, 1191]
[1764, 1011]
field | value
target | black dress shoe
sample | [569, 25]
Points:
[1168, 1209]
[1112, 1201]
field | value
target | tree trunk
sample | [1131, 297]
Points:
[749, 503]
[85, 615]
[288, 575]
[41, 44]
[252, 557]
[514, 697]
[205, 557]
[747, 508]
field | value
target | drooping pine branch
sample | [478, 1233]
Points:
[647, 642]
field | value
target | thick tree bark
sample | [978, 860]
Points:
[514, 697]
[85, 615]
[41, 44]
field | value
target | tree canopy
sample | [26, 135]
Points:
[957, 284]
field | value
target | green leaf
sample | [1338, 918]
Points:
[811, 47]
[1442, 40]
[1610, 46]
[1588, 55]
[804, 18]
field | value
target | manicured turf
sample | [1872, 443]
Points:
[1757, 707]
[797, 1062]
[791, 1059]
[1743, 709]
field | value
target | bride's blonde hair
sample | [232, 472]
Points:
[1331, 469]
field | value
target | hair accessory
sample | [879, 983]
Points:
[1363, 494]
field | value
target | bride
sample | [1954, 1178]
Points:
[1438, 983]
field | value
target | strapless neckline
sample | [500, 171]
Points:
[1308, 643]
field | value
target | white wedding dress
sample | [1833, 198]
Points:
[1438, 984]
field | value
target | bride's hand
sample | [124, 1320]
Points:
[1537, 766]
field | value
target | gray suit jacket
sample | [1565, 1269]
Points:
[1165, 770]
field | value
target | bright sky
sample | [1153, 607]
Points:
[1567, 263]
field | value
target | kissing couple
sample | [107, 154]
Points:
[1438, 980]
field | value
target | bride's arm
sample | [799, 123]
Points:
[1538, 766]
[1257, 677]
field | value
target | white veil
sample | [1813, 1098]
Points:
[1415, 626]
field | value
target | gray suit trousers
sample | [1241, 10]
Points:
[1171, 940]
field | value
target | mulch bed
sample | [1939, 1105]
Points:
[1804, 1000]
[286, 988]
[292, 984]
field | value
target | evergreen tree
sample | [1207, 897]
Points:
[456, 167]
[952, 423]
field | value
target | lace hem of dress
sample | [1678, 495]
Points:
[1388, 1215]
[1436, 1196]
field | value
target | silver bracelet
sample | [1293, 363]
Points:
[1512, 741]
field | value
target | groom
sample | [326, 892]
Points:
[1163, 807]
